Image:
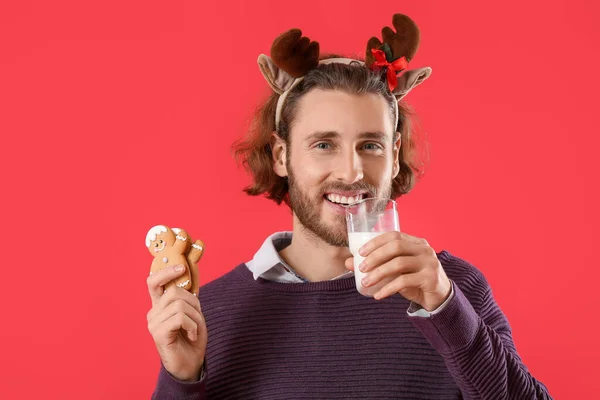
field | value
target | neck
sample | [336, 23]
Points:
[312, 258]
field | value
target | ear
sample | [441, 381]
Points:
[396, 152]
[410, 79]
[278, 150]
[278, 79]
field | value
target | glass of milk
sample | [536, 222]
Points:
[367, 219]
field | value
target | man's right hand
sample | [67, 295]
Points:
[177, 326]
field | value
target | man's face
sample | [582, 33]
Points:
[341, 150]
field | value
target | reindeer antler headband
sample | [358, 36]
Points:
[293, 55]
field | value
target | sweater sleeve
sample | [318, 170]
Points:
[479, 350]
[168, 387]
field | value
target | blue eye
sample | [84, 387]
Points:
[372, 146]
[322, 146]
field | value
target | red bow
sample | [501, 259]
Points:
[392, 67]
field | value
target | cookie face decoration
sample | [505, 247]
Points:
[173, 247]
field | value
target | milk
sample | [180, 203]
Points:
[355, 242]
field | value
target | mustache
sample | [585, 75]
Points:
[359, 186]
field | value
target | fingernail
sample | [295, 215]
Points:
[362, 266]
[361, 251]
[178, 268]
[365, 281]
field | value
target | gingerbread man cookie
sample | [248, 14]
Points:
[172, 247]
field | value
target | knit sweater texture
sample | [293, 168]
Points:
[323, 340]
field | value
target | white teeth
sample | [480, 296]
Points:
[343, 199]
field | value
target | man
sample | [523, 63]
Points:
[290, 323]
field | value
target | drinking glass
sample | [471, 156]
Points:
[367, 219]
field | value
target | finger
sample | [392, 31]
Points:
[349, 263]
[172, 296]
[176, 307]
[378, 241]
[158, 280]
[388, 252]
[413, 239]
[386, 237]
[178, 294]
[396, 267]
[174, 324]
[398, 285]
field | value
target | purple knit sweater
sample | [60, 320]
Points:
[323, 340]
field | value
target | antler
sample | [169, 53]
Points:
[403, 43]
[294, 53]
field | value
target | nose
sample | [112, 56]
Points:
[349, 169]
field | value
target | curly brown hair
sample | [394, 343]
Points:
[253, 152]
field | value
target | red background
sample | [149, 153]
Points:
[116, 116]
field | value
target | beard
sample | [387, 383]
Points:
[308, 210]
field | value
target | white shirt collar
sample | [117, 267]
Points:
[267, 263]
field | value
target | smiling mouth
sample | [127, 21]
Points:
[157, 250]
[343, 200]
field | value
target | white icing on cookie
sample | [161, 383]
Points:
[165, 259]
[197, 246]
[180, 238]
[184, 283]
[155, 230]
[161, 249]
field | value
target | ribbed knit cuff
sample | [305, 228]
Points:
[454, 327]
[168, 387]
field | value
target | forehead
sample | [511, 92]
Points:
[339, 111]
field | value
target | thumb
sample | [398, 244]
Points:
[349, 263]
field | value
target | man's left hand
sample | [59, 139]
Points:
[410, 263]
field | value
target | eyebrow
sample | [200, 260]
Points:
[321, 135]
